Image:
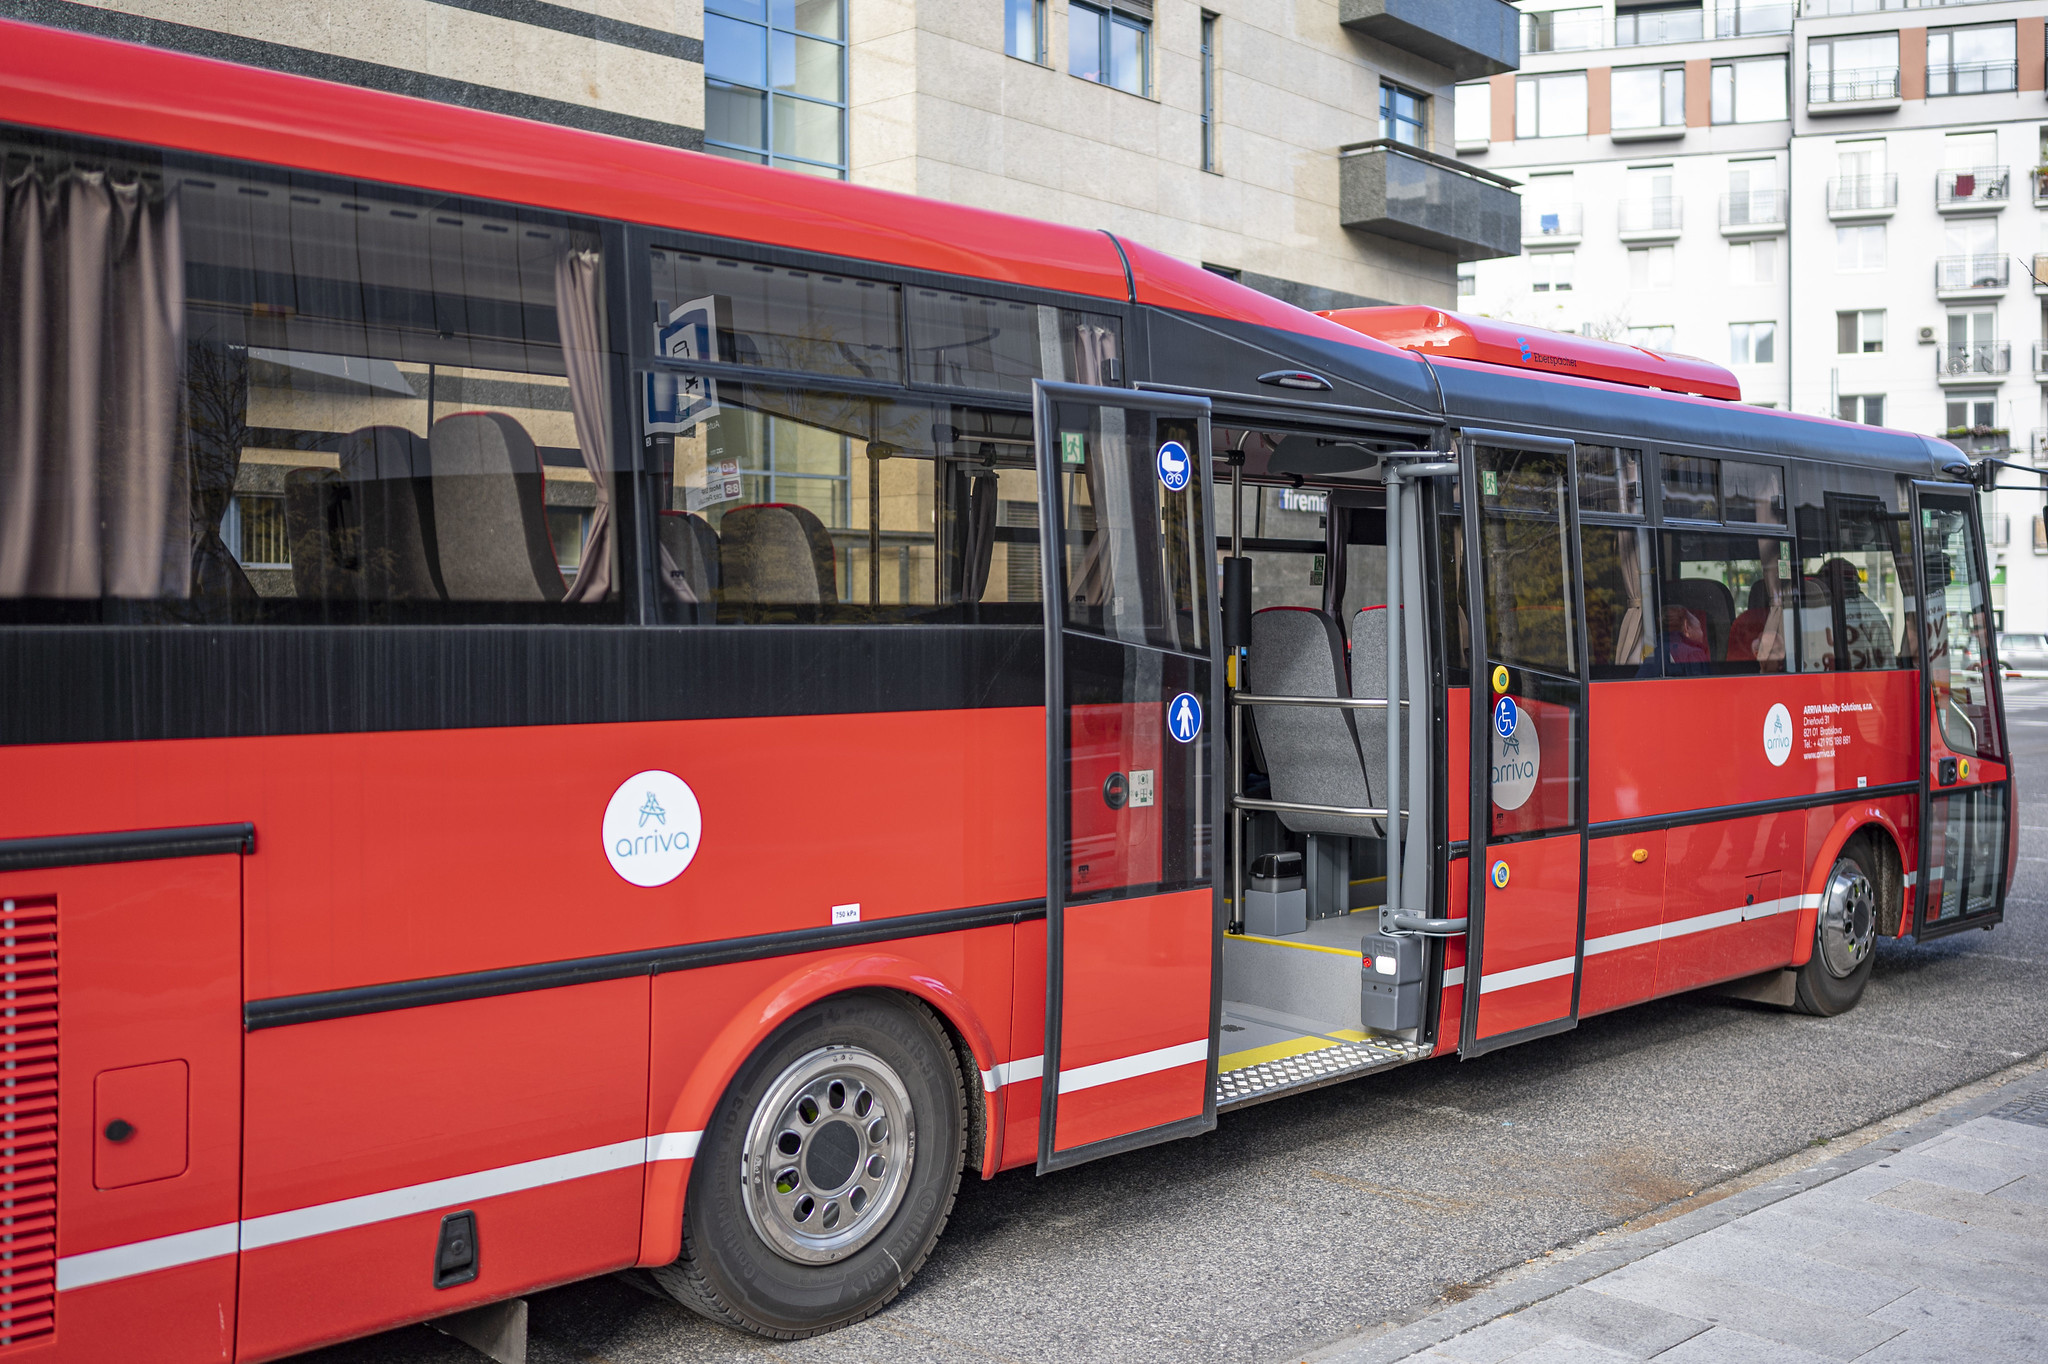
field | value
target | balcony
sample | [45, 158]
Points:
[1852, 91]
[2037, 445]
[1981, 189]
[1468, 38]
[1974, 362]
[1557, 225]
[1412, 195]
[1970, 275]
[1651, 220]
[1752, 213]
[2040, 275]
[2039, 180]
[1579, 30]
[1862, 196]
[2041, 361]
[1971, 78]
[1979, 440]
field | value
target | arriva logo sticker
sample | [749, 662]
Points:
[1778, 735]
[652, 827]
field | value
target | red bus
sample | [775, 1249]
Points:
[535, 744]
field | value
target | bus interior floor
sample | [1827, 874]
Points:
[1266, 1053]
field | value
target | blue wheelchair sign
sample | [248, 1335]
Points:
[1184, 717]
[1504, 717]
[1175, 468]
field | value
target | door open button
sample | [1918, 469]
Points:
[139, 1117]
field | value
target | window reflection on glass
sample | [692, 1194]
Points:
[1024, 29]
[1109, 48]
[1957, 621]
[1968, 838]
[1725, 601]
[1528, 557]
[1621, 639]
[1611, 480]
[1402, 115]
[1692, 488]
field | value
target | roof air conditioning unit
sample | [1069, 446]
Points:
[1927, 336]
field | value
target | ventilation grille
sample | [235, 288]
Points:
[28, 1122]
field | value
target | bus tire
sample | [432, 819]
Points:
[826, 1173]
[1844, 936]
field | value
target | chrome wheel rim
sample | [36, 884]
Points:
[1848, 920]
[828, 1155]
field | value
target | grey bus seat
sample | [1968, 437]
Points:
[1311, 752]
[386, 469]
[693, 549]
[490, 511]
[775, 554]
[1369, 683]
[1711, 602]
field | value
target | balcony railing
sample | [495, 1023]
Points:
[1821, 9]
[1852, 86]
[1976, 357]
[1753, 208]
[1972, 78]
[1971, 272]
[1662, 214]
[1578, 30]
[1978, 185]
[2037, 444]
[1857, 193]
[2041, 358]
[1561, 220]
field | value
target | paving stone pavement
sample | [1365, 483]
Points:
[1929, 1246]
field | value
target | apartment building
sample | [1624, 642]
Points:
[1305, 148]
[1842, 200]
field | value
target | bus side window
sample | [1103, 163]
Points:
[1724, 598]
[310, 402]
[1854, 572]
[1622, 635]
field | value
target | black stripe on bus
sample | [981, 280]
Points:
[134, 845]
[1713, 814]
[323, 1005]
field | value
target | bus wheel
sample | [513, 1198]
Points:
[827, 1172]
[1844, 937]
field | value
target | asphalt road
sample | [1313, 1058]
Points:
[1304, 1220]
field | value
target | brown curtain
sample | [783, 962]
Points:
[578, 283]
[94, 498]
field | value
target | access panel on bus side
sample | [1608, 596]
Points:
[1967, 814]
[125, 1158]
[1523, 943]
[1132, 915]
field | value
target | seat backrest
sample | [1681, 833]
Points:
[1311, 753]
[490, 511]
[1711, 602]
[693, 548]
[1369, 682]
[775, 554]
[325, 539]
[387, 469]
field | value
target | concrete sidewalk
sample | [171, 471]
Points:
[1928, 1244]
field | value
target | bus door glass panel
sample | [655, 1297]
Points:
[1131, 899]
[137, 1135]
[1525, 935]
[1963, 847]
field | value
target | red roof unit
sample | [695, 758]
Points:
[1432, 331]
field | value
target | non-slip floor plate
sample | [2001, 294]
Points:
[1306, 1063]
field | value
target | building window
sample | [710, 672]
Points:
[1972, 412]
[1208, 91]
[1859, 248]
[1648, 97]
[1404, 116]
[1972, 61]
[1859, 67]
[1653, 338]
[1472, 115]
[1753, 262]
[1860, 332]
[775, 91]
[1551, 106]
[1752, 343]
[1867, 408]
[1550, 272]
[1110, 48]
[1750, 91]
[1649, 267]
[1024, 29]
[1468, 281]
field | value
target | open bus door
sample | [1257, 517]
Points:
[1965, 782]
[1133, 938]
[1525, 938]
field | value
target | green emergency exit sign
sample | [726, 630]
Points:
[1073, 447]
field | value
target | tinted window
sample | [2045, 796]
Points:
[1957, 621]
[303, 400]
[1525, 542]
[970, 341]
[1692, 488]
[1855, 590]
[1621, 628]
[1725, 600]
[747, 313]
[1610, 480]
[1753, 492]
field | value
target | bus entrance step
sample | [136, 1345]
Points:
[1312, 1066]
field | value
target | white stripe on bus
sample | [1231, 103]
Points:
[1010, 1072]
[1527, 975]
[190, 1247]
[1130, 1067]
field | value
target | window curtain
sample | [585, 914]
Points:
[94, 495]
[578, 281]
[1628, 631]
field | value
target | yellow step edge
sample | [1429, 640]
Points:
[1258, 1056]
[1299, 946]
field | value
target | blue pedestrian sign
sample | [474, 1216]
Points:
[1504, 717]
[1184, 717]
[1175, 468]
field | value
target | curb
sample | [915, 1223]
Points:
[1540, 1284]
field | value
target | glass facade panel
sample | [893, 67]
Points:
[796, 50]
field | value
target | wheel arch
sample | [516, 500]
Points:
[754, 1021]
[1876, 828]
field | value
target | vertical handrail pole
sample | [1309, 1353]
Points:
[1236, 813]
[1396, 595]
